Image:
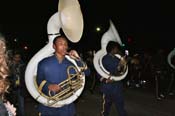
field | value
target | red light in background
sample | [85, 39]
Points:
[129, 40]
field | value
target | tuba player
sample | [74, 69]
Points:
[52, 71]
[112, 90]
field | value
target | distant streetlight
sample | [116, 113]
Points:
[98, 29]
[15, 40]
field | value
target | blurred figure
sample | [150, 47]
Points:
[171, 85]
[6, 109]
[17, 69]
[135, 71]
[146, 74]
[91, 80]
[159, 72]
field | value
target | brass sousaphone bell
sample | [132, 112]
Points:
[71, 19]
[110, 35]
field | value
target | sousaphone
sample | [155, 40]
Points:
[171, 55]
[110, 35]
[70, 19]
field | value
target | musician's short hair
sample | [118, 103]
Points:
[111, 45]
[58, 37]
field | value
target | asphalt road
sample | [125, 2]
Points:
[138, 102]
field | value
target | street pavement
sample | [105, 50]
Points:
[138, 102]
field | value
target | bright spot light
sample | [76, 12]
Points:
[25, 47]
[15, 40]
[98, 29]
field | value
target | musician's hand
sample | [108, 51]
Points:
[109, 81]
[104, 80]
[123, 61]
[74, 55]
[54, 87]
[10, 107]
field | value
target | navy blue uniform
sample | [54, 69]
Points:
[112, 92]
[53, 72]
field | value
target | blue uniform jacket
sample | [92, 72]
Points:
[110, 63]
[52, 71]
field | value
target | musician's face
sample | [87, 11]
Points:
[61, 46]
[17, 58]
[115, 50]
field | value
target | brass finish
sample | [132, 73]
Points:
[69, 86]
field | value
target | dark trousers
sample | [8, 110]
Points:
[21, 107]
[116, 98]
[171, 84]
[160, 83]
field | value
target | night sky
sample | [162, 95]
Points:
[142, 24]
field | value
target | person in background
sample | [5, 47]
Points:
[112, 90]
[6, 108]
[136, 67]
[17, 68]
[171, 85]
[91, 80]
[159, 67]
[52, 71]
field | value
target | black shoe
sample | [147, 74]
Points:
[137, 85]
[162, 96]
[171, 94]
[159, 99]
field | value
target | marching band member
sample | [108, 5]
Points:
[160, 70]
[171, 62]
[52, 71]
[112, 90]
